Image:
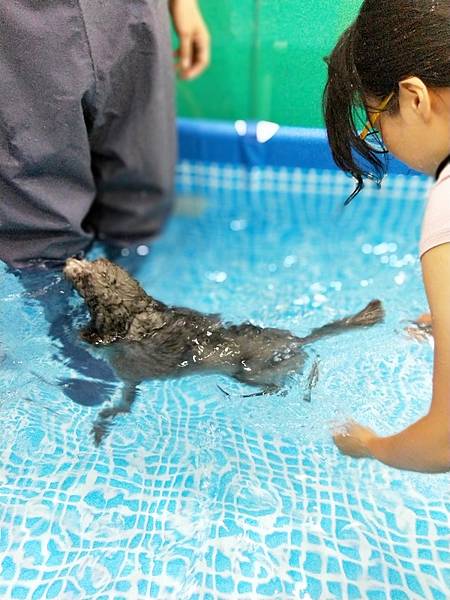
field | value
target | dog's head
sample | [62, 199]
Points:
[111, 294]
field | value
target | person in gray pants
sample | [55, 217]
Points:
[87, 142]
[87, 139]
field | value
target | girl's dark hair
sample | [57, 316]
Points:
[388, 42]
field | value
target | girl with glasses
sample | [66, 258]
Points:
[393, 63]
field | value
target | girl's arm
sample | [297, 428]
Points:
[425, 445]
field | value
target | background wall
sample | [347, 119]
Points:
[267, 59]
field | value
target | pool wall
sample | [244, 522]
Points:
[238, 143]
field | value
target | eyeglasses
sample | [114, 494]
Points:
[372, 120]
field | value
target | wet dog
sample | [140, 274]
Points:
[145, 339]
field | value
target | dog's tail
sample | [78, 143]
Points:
[372, 314]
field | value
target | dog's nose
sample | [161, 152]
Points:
[74, 267]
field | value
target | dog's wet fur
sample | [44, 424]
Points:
[145, 339]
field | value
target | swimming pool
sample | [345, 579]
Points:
[198, 495]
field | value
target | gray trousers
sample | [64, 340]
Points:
[87, 139]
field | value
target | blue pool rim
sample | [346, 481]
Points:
[212, 141]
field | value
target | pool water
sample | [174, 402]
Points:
[197, 495]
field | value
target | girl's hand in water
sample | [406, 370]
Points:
[421, 328]
[354, 440]
[424, 319]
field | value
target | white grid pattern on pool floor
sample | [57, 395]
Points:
[256, 518]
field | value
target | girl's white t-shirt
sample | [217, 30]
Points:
[436, 220]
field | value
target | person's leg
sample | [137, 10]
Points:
[133, 137]
[48, 85]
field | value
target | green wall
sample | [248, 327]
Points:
[267, 59]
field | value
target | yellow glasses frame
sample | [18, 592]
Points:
[372, 120]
